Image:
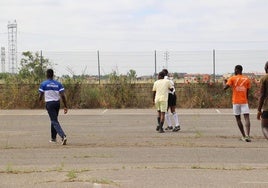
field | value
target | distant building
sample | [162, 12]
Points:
[197, 78]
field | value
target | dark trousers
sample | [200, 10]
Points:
[53, 108]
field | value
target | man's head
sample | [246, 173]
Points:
[161, 75]
[50, 73]
[238, 69]
[165, 71]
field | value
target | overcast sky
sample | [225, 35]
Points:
[140, 26]
[136, 25]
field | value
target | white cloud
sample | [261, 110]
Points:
[133, 24]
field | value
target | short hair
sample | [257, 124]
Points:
[239, 68]
[165, 71]
[161, 74]
[50, 73]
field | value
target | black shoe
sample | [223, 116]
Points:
[176, 129]
[161, 130]
[169, 128]
[157, 128]
[53, 140]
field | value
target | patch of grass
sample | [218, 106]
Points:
[72, 175]
[57, 168]
[10, 169]
[60, 168]
[198, 134]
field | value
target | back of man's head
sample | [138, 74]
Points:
[50, 73]
[165, 71]
[238, 69]
[161, 75]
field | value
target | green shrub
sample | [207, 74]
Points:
[120, 92]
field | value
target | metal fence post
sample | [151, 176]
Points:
[214, 62]
[98, 53]
[155, 65]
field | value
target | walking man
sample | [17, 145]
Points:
[53, 90]
[240, 85]
[263, 103]
[160, 98]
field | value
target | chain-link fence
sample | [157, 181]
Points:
[147, 63]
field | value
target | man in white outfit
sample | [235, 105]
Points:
[172, 98]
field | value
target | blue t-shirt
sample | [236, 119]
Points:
[51, 90]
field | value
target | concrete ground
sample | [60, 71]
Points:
[120, 148]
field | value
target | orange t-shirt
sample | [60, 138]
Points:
[240, 85]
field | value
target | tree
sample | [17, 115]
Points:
[175, 75]
[33, 66]
[132, 75]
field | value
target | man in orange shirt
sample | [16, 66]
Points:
[240, 85]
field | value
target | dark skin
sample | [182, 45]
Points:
[263, 96]
[238, 117]
[62, 95]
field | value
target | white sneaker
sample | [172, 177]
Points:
[245, 139]
[64, 141]
[248, 139]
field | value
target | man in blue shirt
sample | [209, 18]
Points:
[52, 91]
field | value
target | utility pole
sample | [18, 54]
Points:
[166, 58]
[98, 54]
[214, 62]
[155, 73]
[3, 59]
[12, 47]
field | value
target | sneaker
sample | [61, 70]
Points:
[64, 141]
[248, 139]
[53, 141]
[177, 128]
[169, 128]
[243, 139]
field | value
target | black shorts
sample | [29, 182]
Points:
[172, 98]
[264, 115]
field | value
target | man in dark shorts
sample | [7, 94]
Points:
[172, 99]
[263, 103]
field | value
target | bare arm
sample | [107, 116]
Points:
[40, 96]
[63, 97]
[154, 92]
[261, 100]
[225, 84]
